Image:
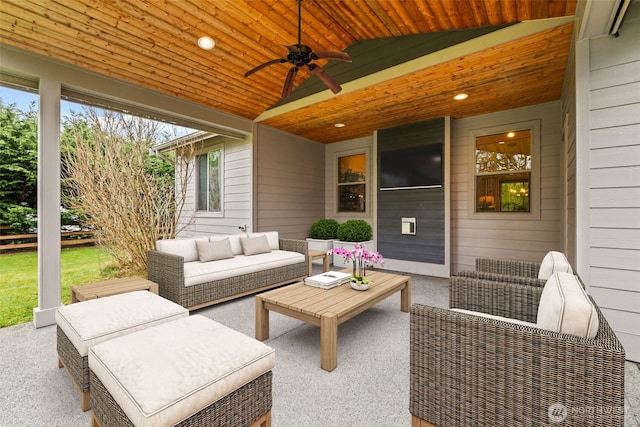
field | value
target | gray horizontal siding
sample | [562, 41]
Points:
[519, 237]
[289, 182]
[613, 203]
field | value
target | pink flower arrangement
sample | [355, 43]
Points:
[361, 257]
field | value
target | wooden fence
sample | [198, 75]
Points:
[30, 241]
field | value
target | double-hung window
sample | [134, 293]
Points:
[503, 167]
[209, 176]
[352, 183]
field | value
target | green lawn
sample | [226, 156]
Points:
[19, 279]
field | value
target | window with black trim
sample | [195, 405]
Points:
[352, 183]
[503, 171]
[209, 188]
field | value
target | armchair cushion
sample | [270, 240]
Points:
[553, 262]
[494, 317]
[565, 307]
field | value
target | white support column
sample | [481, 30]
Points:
[583, 141]
[48, 204]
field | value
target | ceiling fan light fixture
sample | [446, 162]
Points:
[460, 96]
[300, 55]
[206, 43]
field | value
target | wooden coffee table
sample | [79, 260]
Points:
[328, 308]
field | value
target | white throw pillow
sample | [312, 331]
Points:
[565, 307]
[272, 237]
[213, 251]
[554, 262]
[255, 245]
[185, 248]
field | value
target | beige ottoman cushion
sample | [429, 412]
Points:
[94, 321]
[164, 374]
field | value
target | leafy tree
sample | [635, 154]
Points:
[18, 159]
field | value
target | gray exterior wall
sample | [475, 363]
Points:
[510, 235]
[289, 182]
[427, 206]
[607, 174]
[236, 192]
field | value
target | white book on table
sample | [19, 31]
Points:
[328, 279]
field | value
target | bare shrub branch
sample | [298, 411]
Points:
[127, 200]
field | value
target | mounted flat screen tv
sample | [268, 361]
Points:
[412, 167]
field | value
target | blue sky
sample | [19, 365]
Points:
[23, 99]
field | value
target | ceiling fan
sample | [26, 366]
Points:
[301, 55]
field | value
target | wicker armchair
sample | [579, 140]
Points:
[508, 270]
[467, 370]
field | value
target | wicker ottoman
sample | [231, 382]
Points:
[84, 324]
[189, 372]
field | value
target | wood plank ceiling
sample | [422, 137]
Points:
[152, 43]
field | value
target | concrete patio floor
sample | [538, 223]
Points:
[369, 387]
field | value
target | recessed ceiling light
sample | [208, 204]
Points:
[206, 43]
[460, 96]
[500, 142]
[339, 125]
[511, 134]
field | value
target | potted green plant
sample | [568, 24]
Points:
[322, 234]
[351, 232]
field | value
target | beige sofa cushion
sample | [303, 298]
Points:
[185, 248]
[214, 250]
[565, 307]
[203, 272]
[160, 376]
[553, 262]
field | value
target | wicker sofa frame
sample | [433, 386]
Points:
[466, 370]
[250, 405]
[167, 271]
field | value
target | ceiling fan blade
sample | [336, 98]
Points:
[325, 78]
[266, 64]
[327, 54]
[288, 83]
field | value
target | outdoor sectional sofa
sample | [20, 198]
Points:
[201, 271]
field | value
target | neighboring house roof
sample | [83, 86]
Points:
[191, 138]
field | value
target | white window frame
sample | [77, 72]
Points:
[206, 213]
[534, 184]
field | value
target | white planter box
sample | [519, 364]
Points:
[338, 260]
[320, 245]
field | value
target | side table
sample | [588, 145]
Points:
[313, 255]
[111, 287]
